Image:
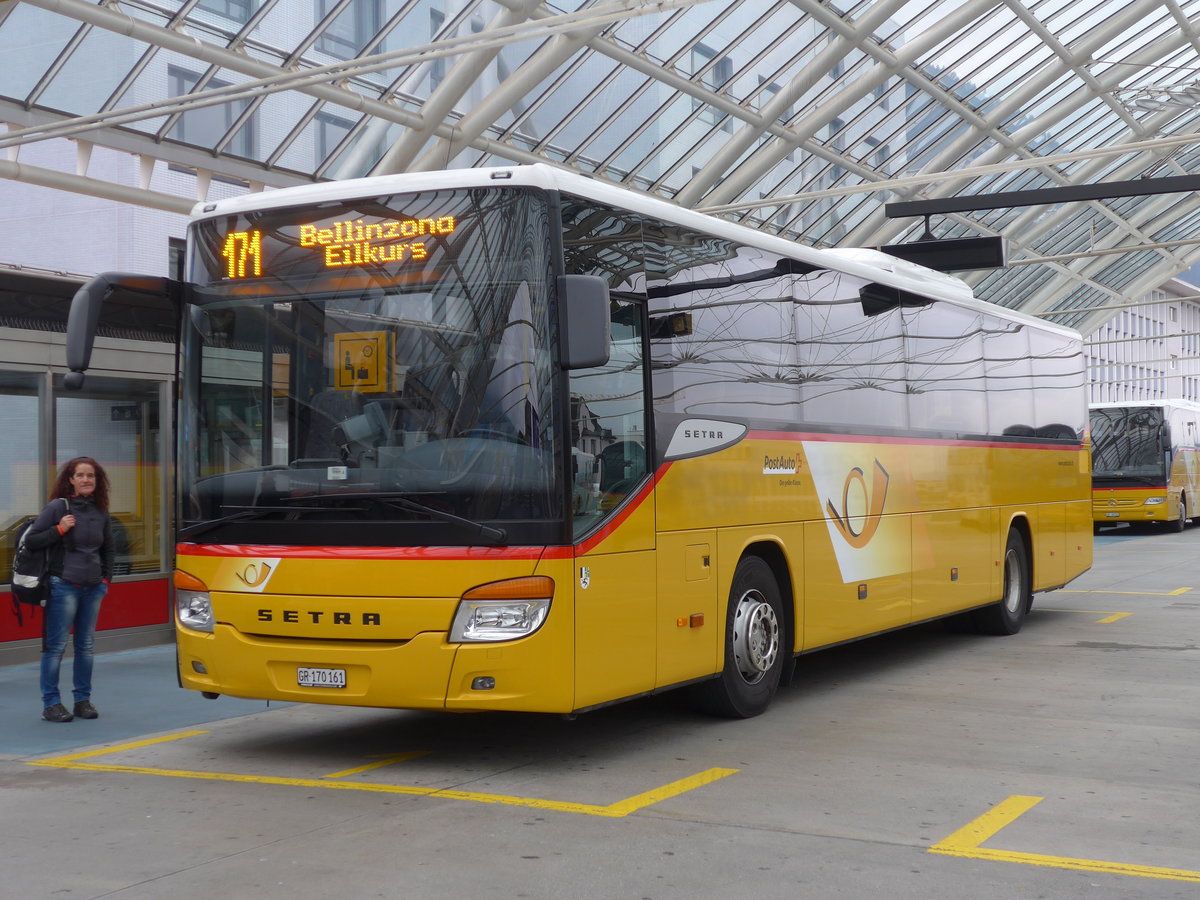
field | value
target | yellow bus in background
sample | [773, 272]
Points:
[1145, 462]
[517, 439]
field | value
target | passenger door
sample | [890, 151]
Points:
[613, 517]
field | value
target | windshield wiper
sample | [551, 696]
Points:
[1152, 480]
[246, 513]
[401, 499]
[495, 535]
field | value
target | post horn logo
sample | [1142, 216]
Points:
[254, 575]
[874, 504]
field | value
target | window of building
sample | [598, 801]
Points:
[207, 127]
[328, 132]
[116, 421]
[715, 72]
[175, 257]
[437, 67]
[21, 472]
[236, 10]
[348, 35]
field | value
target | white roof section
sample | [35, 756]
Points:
[870, 265]
[797, 117]
[1188, 405]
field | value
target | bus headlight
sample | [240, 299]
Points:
[193, 605]
[1154, 501]
[503, 610]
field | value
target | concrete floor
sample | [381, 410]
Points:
[1055, 763]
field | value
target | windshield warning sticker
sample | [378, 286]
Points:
[363, 361]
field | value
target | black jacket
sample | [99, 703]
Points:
[85, 554]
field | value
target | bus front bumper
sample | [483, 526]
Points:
[1130, 510]
[426, 672]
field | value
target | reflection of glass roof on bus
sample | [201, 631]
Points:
[802, 117]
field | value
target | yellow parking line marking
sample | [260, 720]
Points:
[387, 760]
[966, 843]
[970, 836]
[616, 810]
[666, 792]
[1174, 593]
[136, 745]
[1110, 617]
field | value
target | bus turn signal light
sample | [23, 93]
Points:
[186, 582]
[532, 587]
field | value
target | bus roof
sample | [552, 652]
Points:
[870, 264]
[1175, 403]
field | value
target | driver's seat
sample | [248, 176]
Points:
[328, 410]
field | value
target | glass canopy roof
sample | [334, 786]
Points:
[804, 117]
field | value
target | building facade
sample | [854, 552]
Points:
[121, 418]
[1149, 351]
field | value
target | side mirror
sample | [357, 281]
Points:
[587, 334]
[86, 305]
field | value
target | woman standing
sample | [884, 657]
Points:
[76, 528]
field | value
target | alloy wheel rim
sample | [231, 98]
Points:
[755, 636]
[1012, 582]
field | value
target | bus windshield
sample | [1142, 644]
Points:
[1127, 442]
[385, 367]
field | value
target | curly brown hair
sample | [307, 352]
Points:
[64, 488]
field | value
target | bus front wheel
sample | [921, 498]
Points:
[1006, 616]
[754, 645]
[1181, 522]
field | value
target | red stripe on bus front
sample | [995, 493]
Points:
[290, 552]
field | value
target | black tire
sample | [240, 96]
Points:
[1006, 616]
[755, 645]
[1181, 524]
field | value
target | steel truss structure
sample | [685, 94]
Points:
[802, 117]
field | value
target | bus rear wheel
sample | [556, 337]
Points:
[1007, 616]
[754, 645]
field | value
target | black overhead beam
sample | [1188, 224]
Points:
[954, 254]
[1110, 190]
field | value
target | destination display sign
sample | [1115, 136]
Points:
[362, 243]
[337, 245]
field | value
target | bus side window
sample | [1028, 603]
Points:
[622, 466]
[608, 415]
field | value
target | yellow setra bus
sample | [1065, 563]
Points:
[515, 439]
[1145, 462]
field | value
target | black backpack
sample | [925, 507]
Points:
[30, 575]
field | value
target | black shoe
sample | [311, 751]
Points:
[85, 710]
[56, 713]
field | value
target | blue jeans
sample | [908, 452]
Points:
[70, 605]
